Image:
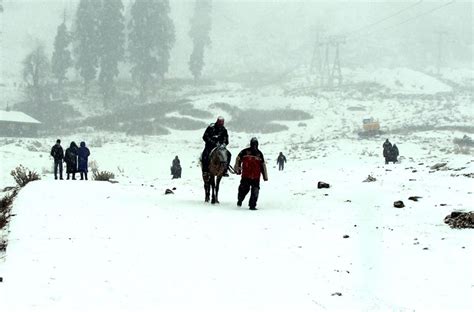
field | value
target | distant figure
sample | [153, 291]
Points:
[70, 158]
[82, 160]
[394, 153]
[281, 160]
[215, 134]
[176, 168]
[387, 146]
[58, 156]
[251, 164]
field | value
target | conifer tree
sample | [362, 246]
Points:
[86, 40]
[199, 33]
[111, 45]
[61, 60]
[166, 36]
[150, 41]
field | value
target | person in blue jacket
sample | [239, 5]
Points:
[83, 156]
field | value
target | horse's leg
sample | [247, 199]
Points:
[218, 182]
[213, 186]
[207, 186]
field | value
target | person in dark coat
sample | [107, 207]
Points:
[394, 153]
[176, 168]
[281, 160]
[215, 134]
[82, 160]
[250, 163]
[70, 158]
[58, 156]
[387, 146]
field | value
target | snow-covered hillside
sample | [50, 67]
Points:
[402, 80]
[96, 246]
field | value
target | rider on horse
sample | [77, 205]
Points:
[215, 134]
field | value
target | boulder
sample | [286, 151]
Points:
[168, 191]
[323, 185]
[460, 220]
[370, 179]
[398, 204]
[438, 166]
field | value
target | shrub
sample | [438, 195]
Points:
[7, 201]
[23, 175]
[102, 175]
[5, 206]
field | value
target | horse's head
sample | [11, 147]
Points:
[221, 152]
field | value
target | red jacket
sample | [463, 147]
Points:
[252, 164]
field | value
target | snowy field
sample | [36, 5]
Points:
[97, 246]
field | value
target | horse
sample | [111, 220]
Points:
[213, 175]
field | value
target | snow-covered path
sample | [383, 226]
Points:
[96, 246]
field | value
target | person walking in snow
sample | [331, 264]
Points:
[215, 134]
[394, 153]
[83, 154]
[281, 160]
[58, 155]
[176, 168]
[70, 158]
[250, 163]
[387, 146]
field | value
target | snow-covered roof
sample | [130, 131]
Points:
[14, 116]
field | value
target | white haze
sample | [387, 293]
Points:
[273, 36]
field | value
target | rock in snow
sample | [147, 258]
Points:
[398, 204]
[322, 185]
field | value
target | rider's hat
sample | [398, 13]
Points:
[220, 121]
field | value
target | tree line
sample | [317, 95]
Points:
[101, 39]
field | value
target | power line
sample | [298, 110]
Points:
[416, 16]
[384, 19]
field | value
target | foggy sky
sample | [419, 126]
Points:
[273, 36]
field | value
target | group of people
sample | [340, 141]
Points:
[250, 162]
[390, 152]
[76, 159]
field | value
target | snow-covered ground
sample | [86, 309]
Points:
[402, 80]
[97, 246]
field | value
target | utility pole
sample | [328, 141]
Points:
[336, 68]
[326, 60]
[331, 70]
[325, 68]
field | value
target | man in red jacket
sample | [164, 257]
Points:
[251, 164]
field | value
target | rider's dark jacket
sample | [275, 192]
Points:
[215, 134]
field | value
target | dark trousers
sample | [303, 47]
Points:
[281, 166]
[83, 174]
[247, 185]
[58, 165]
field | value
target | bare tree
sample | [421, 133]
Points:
[36, 74]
